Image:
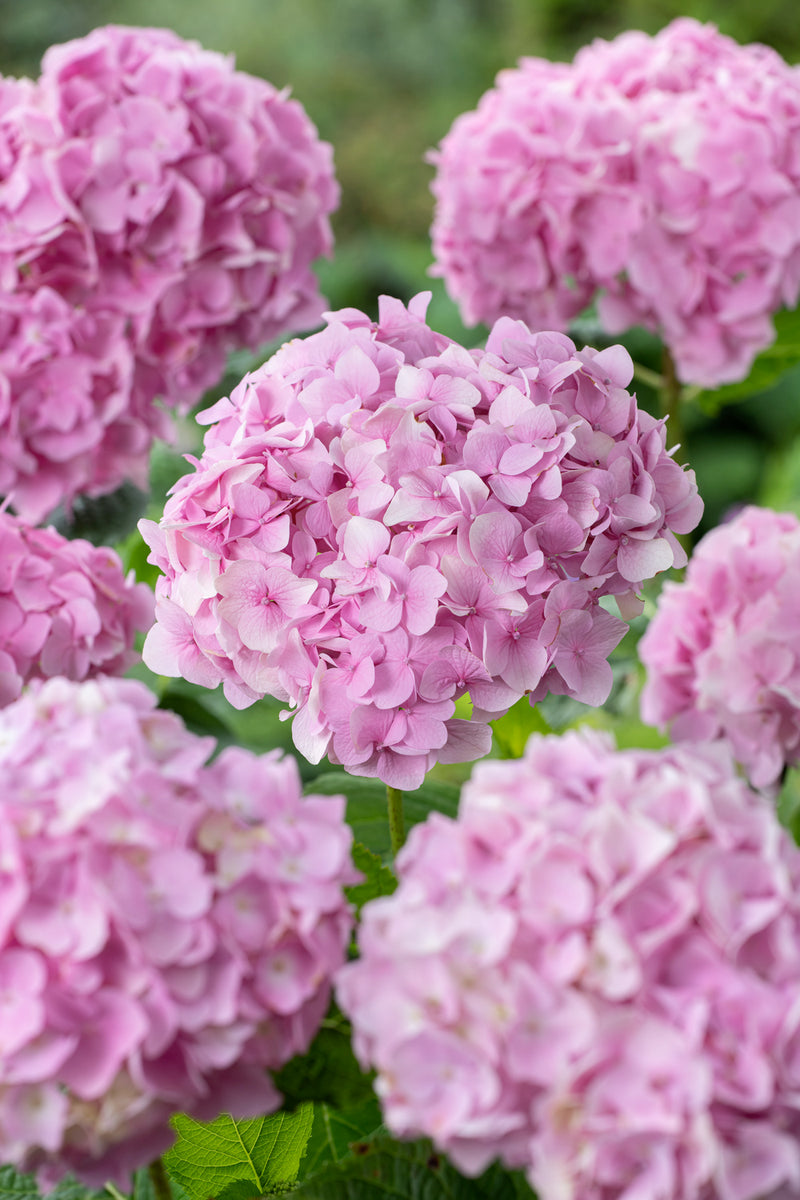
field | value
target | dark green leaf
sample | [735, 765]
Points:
[196, 714]
[328, 1072]
[337, 1130]
[103, 519]
[262, 1154]
[367, 808]
[17, 1187]
[769, 366]
[383, 1168]
[70, 1189]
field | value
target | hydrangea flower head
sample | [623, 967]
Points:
[168, 930]
[723, 651]
[65, 608]
[383, 522]
[593, 974]
[157, 209]
[657, 174]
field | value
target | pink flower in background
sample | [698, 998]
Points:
[383, 522]
[656, 174]
[157, 209]
[592, 974]
[65, 608]
[723, 651]
[168, 930]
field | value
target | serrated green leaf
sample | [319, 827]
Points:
[770, 365]
[17, 1186]
[390, 1170]
[263, 1153]
[70, 1188]
[14, 1186]
[379, 880]
[511, 732]
[337, 1130]
[367, 807]
[328, 1072]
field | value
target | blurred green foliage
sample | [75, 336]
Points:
[383, 79]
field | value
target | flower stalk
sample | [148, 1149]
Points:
[159, 1179]
[396, 824]
[671, 395]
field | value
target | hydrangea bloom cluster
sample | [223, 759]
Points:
[593, 974]
[661, 172]
[157, 208]
[723, 651]
[382, 522]
[169, 930]
[65, 608]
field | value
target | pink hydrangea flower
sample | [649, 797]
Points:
[723, 651]
[65, 608]
[168, 930]
[593, 974]
[657, 173]
[383, 522]
[157, 208]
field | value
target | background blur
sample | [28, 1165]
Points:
[383, 80]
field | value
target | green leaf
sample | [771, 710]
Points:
[70, 1189]
[17, 1187]
[379, 880]
[511, 732]
[789, 802]
[196, 714]
[258, 728]
[629, 732]
[143, 1188]
[780, 489]
[367, 810]
[337, 1130]
[328, 1072]
[103, 519]
[262, 1155]
[383, 1169]
[769, 366]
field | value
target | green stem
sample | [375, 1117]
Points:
[672, 395]
[114, 1191]
[396, 827]
[651, 378]
[159, 1179]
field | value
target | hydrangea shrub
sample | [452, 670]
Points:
[383, 521]
[722, 651]
[157, 209]
[593, 974]
[66, 608]
[658, 174]
[168, 929]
